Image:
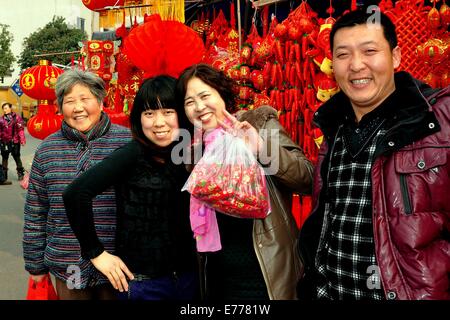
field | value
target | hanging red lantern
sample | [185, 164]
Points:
[45, 122]
[100, 4]
[39, 82]
[163, 47]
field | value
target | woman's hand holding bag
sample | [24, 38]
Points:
[228, 177]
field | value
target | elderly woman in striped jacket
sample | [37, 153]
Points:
[86, 137]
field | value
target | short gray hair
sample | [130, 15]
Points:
[69, 78]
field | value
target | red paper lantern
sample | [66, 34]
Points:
[39, 82]
[45, 122]
[163, 47]
[100, 4]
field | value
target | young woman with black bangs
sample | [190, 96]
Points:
[155, 256]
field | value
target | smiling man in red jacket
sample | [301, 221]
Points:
[380, 223]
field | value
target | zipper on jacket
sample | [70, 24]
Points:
[405, 194]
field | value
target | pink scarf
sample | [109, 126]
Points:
[203, 217]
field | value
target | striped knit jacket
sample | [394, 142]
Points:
[49, 243]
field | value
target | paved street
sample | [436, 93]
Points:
[13, 277]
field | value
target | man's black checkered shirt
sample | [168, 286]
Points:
[346, 259]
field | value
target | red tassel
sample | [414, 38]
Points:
[354, 6]
[232, 17]
[330, 9]
[80, 62]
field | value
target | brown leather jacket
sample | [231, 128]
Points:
[275, 237]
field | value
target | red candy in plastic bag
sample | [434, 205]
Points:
[229, 178]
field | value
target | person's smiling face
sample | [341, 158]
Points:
[364, 65]
[203, 104]
[160, 126]
[81, 109]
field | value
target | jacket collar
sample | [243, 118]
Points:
[407, 102]
[9, 117]
[97, 131]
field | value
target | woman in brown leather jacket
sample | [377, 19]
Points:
[258, 259]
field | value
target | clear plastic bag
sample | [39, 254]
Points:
[229, 178]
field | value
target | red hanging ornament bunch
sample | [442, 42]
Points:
[45, 122]
[100, 4]
[434, 52]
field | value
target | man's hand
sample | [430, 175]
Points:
[113, 268]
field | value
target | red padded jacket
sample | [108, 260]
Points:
[410, 185]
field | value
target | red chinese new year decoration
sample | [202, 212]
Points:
[45, 122]
[436, 53]
[433, 51]
[163, 47]
[128, 82]
[39, 82]
[100, 4]
[444, 12]
[434, 19]
[410, 19]
[99, 58]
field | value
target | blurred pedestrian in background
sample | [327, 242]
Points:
[12, 137]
